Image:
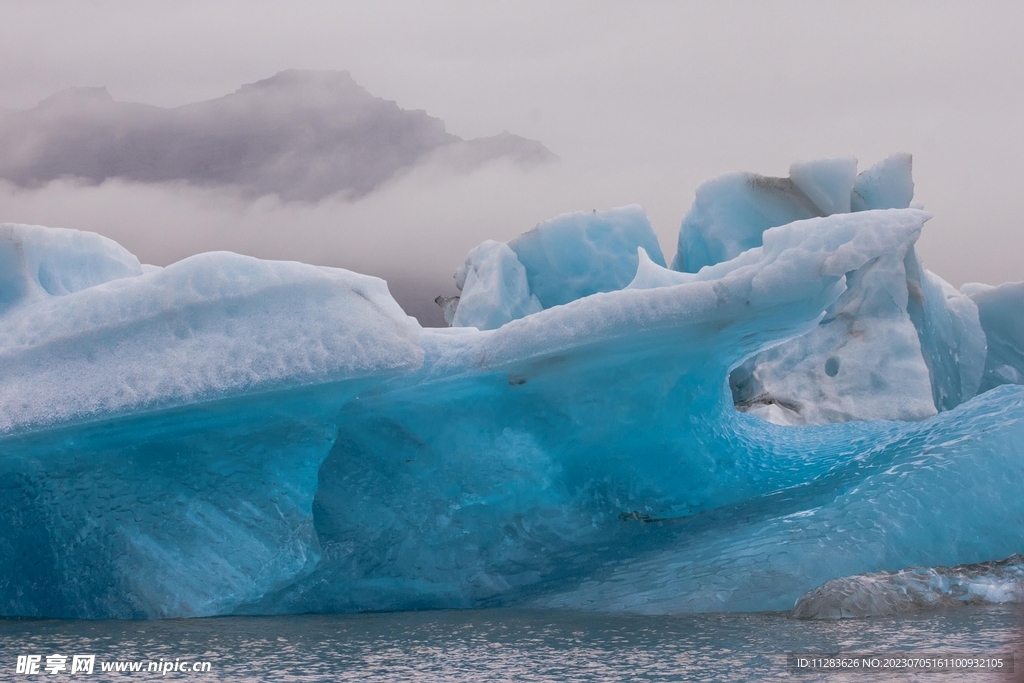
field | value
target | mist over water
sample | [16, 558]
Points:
[414, 231]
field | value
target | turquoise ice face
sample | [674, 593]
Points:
[228, 435]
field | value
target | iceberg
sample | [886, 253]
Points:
[917, 588]
[563, 259]
[889, 184]
[862, 361]
[578, 254]
[954, 345]
[227, 435]
[937, 492]
[162, 428]
[1001, 315]
[730, 213]
[900, 343]
[495, 289]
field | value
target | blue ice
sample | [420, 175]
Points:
[229, 435]
[563, 259]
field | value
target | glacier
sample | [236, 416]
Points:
[794, 401]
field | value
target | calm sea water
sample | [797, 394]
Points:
[509, 645]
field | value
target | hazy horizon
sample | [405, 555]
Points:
[641, 104]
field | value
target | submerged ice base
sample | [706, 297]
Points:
[228, 436]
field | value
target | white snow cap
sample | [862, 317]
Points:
[93, 335]
[37, 261]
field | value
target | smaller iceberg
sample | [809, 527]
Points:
[889, 184]
[730, 213]
[881, 594]
[563, 259]
[494, 287]
[900, 343]
[1001, 314]
[582, 253]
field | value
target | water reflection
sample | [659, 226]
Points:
[512, 645]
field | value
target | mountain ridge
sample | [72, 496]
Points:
[303, 135]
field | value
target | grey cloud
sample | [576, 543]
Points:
[303, 135]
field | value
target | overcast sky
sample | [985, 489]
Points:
[641, 101]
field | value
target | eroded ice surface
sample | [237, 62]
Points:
[210, 326]
[228, 435]
[915, 589]
[938, 492]
[862, 361]
[899, 344]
